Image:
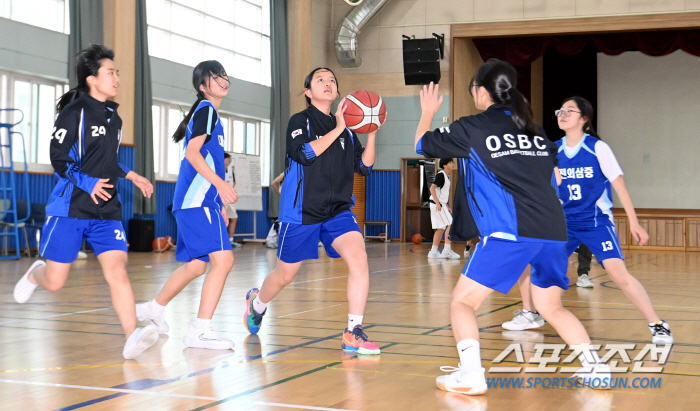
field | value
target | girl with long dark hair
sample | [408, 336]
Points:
[507, 176]
[316, 203]
[201, 194]
[84, 204]
[589, 172]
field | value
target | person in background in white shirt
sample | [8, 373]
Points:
[440, 212]
[230, 208]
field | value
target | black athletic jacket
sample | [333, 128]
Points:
[317, 189]
[84, 147]
[506, 186]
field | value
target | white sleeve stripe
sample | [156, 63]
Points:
[608, 163]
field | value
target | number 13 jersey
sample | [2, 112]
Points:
[587, 170]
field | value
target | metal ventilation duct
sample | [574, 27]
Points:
[348, 29]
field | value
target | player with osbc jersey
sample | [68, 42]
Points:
[508, 177]
[85, 204]
[589, 172]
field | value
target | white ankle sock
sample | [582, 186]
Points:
[354, 320]
[469, 354]
[259, 306]
[586, 363]
[448, 248]
[201, 322]
[434, 249]
[157, 308]
[230, 239]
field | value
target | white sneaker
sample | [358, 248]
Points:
[141, 339]
[206, 337]
[24, 288]
[450, 255]
[661, 333]
[471, 382]
[600, 372]
[82, 255]
[144, 312]
[524, 320]
[467, 253]
[584, 282]
[435, 254]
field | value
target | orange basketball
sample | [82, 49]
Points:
[417, 238]
[382, 236]
[171, 242]
[365, 111]
[160, 244]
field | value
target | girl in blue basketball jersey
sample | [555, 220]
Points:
[201, 194]
[85, 204]
[589, 172]
[507, 173]
[316, 203]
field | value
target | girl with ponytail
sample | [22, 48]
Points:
[507, 170]
[85, 204]
[590, 172]
[201, 194]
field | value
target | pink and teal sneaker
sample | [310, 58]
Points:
[358, 342]
[251, 319]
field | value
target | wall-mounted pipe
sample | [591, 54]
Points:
[349, 28]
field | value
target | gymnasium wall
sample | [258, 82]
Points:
[648, 113]
[33, 50]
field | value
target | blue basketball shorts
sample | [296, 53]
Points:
[200, 232]
[63, 237]
[602, 241]
[498, 264]
[299, 242]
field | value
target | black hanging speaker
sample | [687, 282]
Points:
[142, 232]
[421, 61]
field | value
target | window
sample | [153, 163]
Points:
[47, 14]
[245, 136]
[36, 98]
[234, 32]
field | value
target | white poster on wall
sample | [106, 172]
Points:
[247, 171]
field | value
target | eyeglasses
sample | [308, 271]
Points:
[565, 113]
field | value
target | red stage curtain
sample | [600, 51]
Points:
[524, 50]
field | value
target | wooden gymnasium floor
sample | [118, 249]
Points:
[63, 350]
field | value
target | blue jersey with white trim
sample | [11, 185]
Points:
[192, 189]
[585, 192]
[506, 178]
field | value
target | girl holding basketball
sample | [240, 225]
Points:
[316, 203]
[507, 170]
[589, 170]
[84, 204]
[201, 194]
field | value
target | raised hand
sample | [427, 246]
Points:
[339, 114]
[430, 101]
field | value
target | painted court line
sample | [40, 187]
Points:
[307, 311]
[371, 272]
[301, 407]
[121, 390]
[53, 316]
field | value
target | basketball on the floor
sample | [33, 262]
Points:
[417, 238]
[365, 111]
[160, 244]
[382, 236]
[171, 242]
